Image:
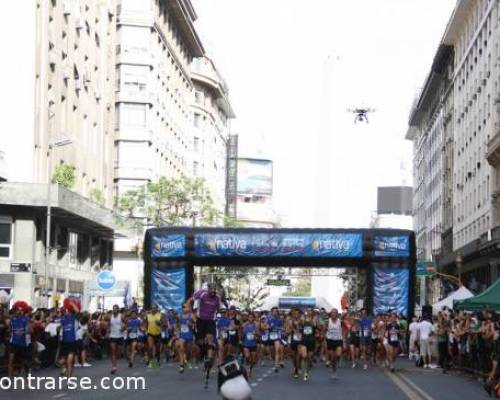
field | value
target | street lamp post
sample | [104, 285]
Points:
[59, 143]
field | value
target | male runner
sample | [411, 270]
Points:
[208, 306]
[334, 340]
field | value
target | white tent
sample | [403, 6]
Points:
[460, 294]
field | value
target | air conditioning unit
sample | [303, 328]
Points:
[87, 78]
[67, 7]
[79, 23]
[484, 81]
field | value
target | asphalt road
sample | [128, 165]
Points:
[166, 383]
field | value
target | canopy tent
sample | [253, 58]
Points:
[489, 299]
[461, 294]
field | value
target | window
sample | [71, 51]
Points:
[5, 237]
[133, 115]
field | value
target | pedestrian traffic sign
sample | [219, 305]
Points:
[426, 268]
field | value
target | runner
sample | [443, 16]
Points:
[392, 332]
[133, 327]
[19, 329]
[223, 323]
[115, 333]
[412, 345]
[308, 343]
[185, 337]
[153, 329]
[249, 340]
[334, 341]
[294, 329]
[69, 346]
[275, 336]
[209, 304]
[365, 324]
[354, 342]
[264, 341]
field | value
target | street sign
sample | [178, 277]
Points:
[426, 268]
[105, 280]
[20, 267]
[278, 282]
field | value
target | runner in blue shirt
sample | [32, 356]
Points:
[223, 324]
[275, 332]
[133, 326]
[185, 336]
[19, 343]
[69, 345]
[249, 339]
[365, 325]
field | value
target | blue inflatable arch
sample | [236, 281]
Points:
[170, 255]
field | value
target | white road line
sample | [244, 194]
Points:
[254, 384]
[57, 396]
[260, 380]
[412, 384]
[410, 394]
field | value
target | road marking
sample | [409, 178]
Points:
[412, 384]
[410, 394]
[260, 380]
[136, 373]
[56, 396]
[254, 384]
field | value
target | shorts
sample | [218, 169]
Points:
[20, 352]
[233, 340]
[354, 341]
[310, 345]
[68, 348]
[130, 340]
[116, 341]
[365, 340]
[425, 348]
[156, 338]
[332, 345]
[394, 344]
[252, 349]
[205, 327]
[294, 345]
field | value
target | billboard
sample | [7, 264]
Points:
[390, 290]
[255, 177]
[392, 246]
[168, 288]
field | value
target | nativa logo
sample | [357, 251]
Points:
[392, 245]
[331, 244]
[226, 244]
[168, 245]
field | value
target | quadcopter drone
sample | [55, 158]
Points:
[361, 114]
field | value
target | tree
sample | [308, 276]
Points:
[97, 197]
[64, 174]
[169, 202]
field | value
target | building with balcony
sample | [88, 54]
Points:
[212, 113]
[81, 242]
[460, 139]
[156, 43]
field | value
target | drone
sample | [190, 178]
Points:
[361, 114]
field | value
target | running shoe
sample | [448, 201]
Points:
[334, 376]
[296, 374]
[306, 377]
[130, 364]
[86, 365]
[77, 365]
[181, 369]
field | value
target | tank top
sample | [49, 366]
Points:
[153, 328]
[19, 329]
[185, 322]
[115, 327]
[334, 331]
[308, 331]
[249, 339]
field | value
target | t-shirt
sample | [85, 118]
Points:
[425, 329]
[413, 329]
[208, 304]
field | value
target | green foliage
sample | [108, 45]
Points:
[64, 174]
[230, 222]
[302, 287]
[169, 202]
[250, 292]
[96, 196]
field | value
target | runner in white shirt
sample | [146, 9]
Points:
[116, 329]
[413, 330]
[424, 334]
[334, 340]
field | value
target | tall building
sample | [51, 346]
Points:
[57, 98]
[212, 113]
[156, 43]
[454, 128]
[394, 208]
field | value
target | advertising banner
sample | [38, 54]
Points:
[168, 246]
[290, 302]
[333, 245]
[168, 288]
[392, 246]
[390, 290]
[255, 176]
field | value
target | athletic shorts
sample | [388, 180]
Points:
[425, 348]
[205, 327]
[117, 341]
[68, 348]
[310, 345]
[250, 348]
[354, 341]
[332, 345]
[394, 344]
[130, 340]
[294, 345]
[20, 352]
[156, 338]
[233, 340]
[365, 340]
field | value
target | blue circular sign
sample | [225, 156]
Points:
[105, 280]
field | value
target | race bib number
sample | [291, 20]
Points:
[394, 337]
[232, 333]
[164, 334]
[184, 329]
[274, 336]
[308, 330]
[132, 335]
[265, 337]
[366, 333]
[250, 336]
[297, 337]
[374, 335]
[223, 335]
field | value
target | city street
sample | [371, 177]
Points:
[166, 383]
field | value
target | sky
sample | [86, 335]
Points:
[294, 67]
